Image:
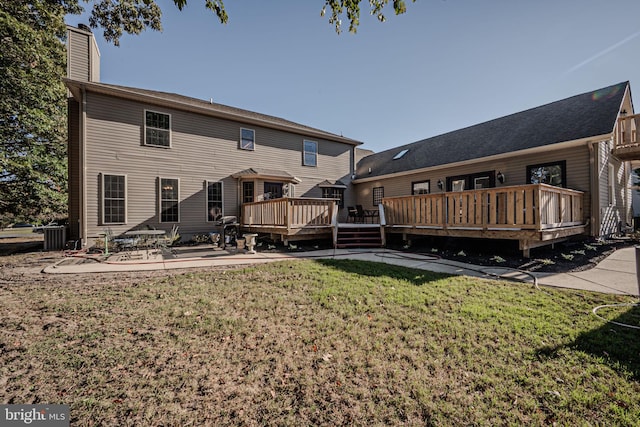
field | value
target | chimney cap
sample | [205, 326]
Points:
[84, 27]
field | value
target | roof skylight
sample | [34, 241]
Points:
[400, 154]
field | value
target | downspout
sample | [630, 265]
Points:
[594, 178]
[83, 169]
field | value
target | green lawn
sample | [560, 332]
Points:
[320, 343]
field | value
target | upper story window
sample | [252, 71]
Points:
[420, 187]
[247, 139]
[214, 200]
[157, 129]
[169, 200]
[114, 199]
[310, 155]
[548, 173]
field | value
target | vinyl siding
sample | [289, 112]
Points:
[614, 207]
[78, 55]
[202, 149]
[514, 169]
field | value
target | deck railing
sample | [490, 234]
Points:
[627, 131]
[289, 212]
[526, 207]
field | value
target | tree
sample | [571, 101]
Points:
[134, 16]
[32, 109]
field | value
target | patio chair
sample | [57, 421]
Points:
[352, 214]
[364, 214]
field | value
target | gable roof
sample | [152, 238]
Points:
[253, 173]
[200, 106]
[590, 114]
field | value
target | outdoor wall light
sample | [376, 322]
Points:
[501, 177]
[440, 184]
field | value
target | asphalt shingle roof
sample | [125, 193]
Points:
[582, 116]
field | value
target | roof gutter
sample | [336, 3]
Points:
[529, 151]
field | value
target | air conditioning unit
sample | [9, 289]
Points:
[55, 238]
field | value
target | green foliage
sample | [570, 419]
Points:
[134, 16]
[33, 173]
[352, 8]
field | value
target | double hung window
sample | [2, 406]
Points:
[114, 199]
[247, 139]
[169, 200]
[214, 200]
[310, 154]
[157, 129]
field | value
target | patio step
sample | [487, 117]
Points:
[358, 237]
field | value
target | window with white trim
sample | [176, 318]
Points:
[157, 129]
[310, 154]
[247, 139]
[248, 192]
[169, 200]
[378, 194]
[214, 200]
[114, 199]
[334, 193]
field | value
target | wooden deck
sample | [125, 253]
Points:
[291, 218]
[535, 215]
[626, 145]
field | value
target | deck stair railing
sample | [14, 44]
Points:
[525, 207]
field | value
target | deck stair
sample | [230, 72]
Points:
[359, 236]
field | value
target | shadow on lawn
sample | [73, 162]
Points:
[374, 269]
[618, 346]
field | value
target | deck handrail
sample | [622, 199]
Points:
[289, 212]
[627, 134]
[524, 207]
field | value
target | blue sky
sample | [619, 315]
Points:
[443, 65]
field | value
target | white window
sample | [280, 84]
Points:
[334, 193]
[378, 194]
[157, 129]
[310, 155]
[169, 200]
[247, 139]
[114, 199]
[214, 200]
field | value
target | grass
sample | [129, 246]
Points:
[320, 343]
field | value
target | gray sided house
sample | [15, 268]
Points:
[141, 158]
[537, 176]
